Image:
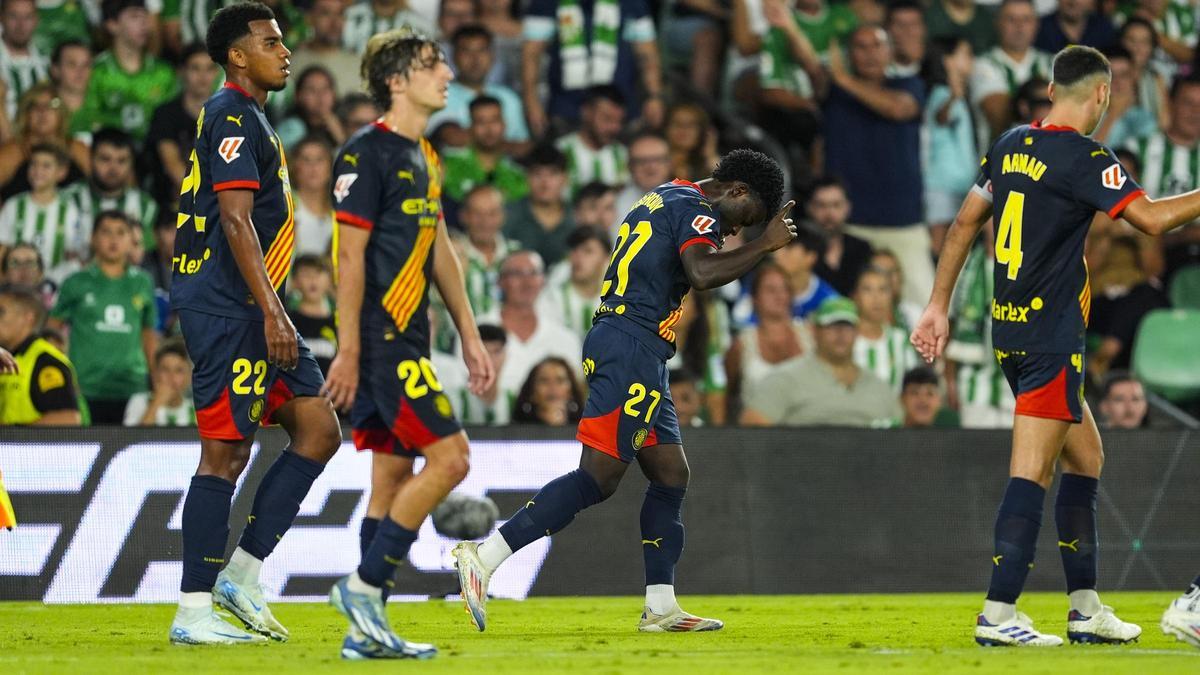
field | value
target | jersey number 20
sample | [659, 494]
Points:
[630, 242]
[1008, 238]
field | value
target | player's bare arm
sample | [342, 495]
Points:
[1158, 216]
[342, 380]
[933, 330]
[448, 275]
[236, 207]
[707, 267]
[8, 365]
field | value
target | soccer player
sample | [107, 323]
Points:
[232, 254]
[391, 243]
[669, 243]
[1053, 174]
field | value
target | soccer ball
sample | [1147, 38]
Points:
[462, 516]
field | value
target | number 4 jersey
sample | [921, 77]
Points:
[1046, 183]
[645, 282]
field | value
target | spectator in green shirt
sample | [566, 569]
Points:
[542, 221]
[128, 82]
[484, 161]
[60, 21]
[965, 19]
[110, 308]
[70, 71]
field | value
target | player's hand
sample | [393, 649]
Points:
[8, 365]
[341, 382]
[481, 373]
[282, 343]
[931, 334]
[780, 231]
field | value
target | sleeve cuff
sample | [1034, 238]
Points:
[346, 218]
[697, 240]
[1115, 211]
[984, 192]
[236, 185]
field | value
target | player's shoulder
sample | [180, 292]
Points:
[372, 142]
[683, 194]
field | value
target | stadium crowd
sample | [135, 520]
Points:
[561, 116]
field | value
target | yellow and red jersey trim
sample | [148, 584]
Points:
[278, 258]
[666, 326]
[408, 289]
[1085, 296]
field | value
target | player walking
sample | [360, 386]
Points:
[251, 365]
[669, 243]
[1046, 181]
[391, 243]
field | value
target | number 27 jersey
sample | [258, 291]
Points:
[1046, 183]
[645, 281]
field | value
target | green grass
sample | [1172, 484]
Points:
[785, 634]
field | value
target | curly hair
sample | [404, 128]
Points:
[759, 172]
[396, 52]
[230, 24]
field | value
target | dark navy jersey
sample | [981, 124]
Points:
[1046, 184]
[645, 282]
[236, 149]
[392, 186]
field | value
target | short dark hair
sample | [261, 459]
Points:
[682, 376]
[471, 30]
[1177, 85]
[546, 155]
[1114, 378]
[113, 214]
[171, 346]
[900, 6]
[230, 24]
[585, 233]
[918, 376]
[1077, 63]
[1006, 3]
[312, 261]
[395, 52]
[759, 172]
[4, 263]
[110, 10]
[489, 332]
[1135, 21]
[593, 190]
[1116, 51]
[826, 182]
[57, 152]
[113, 137]
[189, 50]
[27, 298]
[481, 101]
[56, 55]
[604, 92]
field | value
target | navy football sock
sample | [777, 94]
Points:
[366, 534]
[388, 549]
[662, 532]
[551, 509]
[1017, 526]
[205, 532]
[1075, 516]
[277, 502]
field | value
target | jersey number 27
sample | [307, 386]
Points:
[630, 242]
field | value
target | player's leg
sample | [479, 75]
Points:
[1078, 542]
[1182, 617]
[388, 473]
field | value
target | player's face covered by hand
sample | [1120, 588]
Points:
[266, 57]
[739, 208]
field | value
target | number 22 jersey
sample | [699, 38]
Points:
[1046, 183]
[645, 281]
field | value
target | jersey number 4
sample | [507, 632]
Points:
[1008, 238]
[630, 242]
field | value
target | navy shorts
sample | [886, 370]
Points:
[629, 404]
[400, 407]
[1046, 385]
[234, 388]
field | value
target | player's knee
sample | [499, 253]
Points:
[453, 469]
[228, 463]
[608, 485]
[675, 476]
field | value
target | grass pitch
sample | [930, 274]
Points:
[779, 634]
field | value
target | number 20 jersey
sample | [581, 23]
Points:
[645, 282]
[1046, 183]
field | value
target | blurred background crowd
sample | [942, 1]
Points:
[561, 116]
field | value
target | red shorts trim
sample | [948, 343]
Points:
[236, 185]
[216, 420]
[279, 395]
[411, 430]
[1048, 401]
[601, 433]
[373, 440]
[696, 240]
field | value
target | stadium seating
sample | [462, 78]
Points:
[1165, 357]
[1185, 288]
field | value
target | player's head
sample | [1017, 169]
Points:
[1082, 81]
[487, 123]
[920, 397]
[112, 236]
[595, 205]
[1124, 403]
[312, 277]
[19, 20]
[1185, 107]
[112, 159]
[588, 251]
[21, 315]
[22, 265]
[754, 189]
[404, 65]
[244, 39]
[482, 213]
[48, 166]
[128, 21]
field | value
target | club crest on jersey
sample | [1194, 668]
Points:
[342, 187]
[703, 224]
[228, 149]
[1113, 178]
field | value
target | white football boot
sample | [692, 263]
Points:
[676, 621]
[1101, 628]
[246, 602]
[1016, 632]
[202, 626]
[1182, 618]
[473, 580]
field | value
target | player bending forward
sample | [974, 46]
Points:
[670, 242]
[232, 255]
[391, 243]
[1046, 181]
